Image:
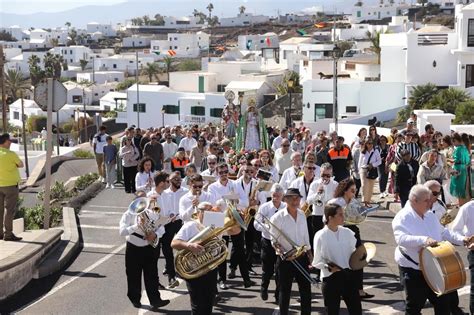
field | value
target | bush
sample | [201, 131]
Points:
[34, 217]
[465, 113]
[36, 123]
[111, 114]
[83, 154]
[189, 65]
[87, 194]
[69, 126]
[58, 192]
[85, 180]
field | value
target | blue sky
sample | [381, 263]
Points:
[35, 6]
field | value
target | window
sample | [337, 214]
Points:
[113, 66]
[96, 94]
[77, 99]
[130, 61]
[16, 115]
[171, 38]
[175, 47]
[171, 109]
[176, 38]
[71, 60]
[359, 14]
[116, 79]
[171, 47]
[70, 51]
[142, 107]
[198, 110]
[65, 52]
[221, 87]
[470, 33]
[351, 109]
[322, 111]
[469, 75]
[216, 112]
[261, 41]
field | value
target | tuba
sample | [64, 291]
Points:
[138, 208]
[191, 266]
[356, 213]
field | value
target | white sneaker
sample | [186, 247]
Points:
[107, 186]
[112, 186]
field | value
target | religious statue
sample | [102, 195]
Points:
[252, 134]
[230, 116]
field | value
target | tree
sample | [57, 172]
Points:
[200, 15]
[465, 113]
[159, 20]
[374, 39]
[122, 86]
[209, 8]
[14, 83]
[146, 20]
[73, 35]
[344, 45]
[189, 65]
[168, 61]
[54, 42]
[36, 73]
[282, 87]
[4, 36]
[421, 95]
[422, 2]
[448, 99]
[213, 21]
[242, 9]
[83, 64]
[53, 65]
[151, 70]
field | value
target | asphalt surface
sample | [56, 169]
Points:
[95, 283]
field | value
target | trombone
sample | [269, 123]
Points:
[290, 255]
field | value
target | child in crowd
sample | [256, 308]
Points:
[110, 160]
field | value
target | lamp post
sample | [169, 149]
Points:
[163, 116]
[290, 84]
[336, 52]
[23, 131]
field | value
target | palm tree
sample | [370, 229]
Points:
[374, 39]
[83, 64]
[151, 70]
[201, 15]
[36, 73]
[242, 9]
[421, 95]
[282, 88]
[14, 83]
[209, 8]
[168, 61]
[448, 100]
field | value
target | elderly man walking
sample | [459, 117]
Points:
[9, 179]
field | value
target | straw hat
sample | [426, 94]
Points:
[362, 256]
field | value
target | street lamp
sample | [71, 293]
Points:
[290, 84]
[336, 53]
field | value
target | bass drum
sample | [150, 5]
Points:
[442, 268]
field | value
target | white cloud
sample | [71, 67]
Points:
[312, 9]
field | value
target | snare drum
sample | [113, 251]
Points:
[442, 268]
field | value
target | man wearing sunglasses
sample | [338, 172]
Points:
[190, 200]
[291, 173]
[283, 157]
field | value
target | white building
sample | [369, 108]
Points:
[295, 49]
[123, 62]
[186, 45]
[244, 19]
[40, 38]
[171, 22]
[179, 107]
[106, 29]
[60, 34]
[113, 101]
[73, 54]
[376, 12]
[257, 42]
[101, 77]
[20, 62]
[22, 44]
[193, 81]
[136, 41]
[16, 31]
[89, 95]
[32, 109]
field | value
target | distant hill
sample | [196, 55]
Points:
[79, 17]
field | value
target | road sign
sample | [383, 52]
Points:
[59, 95]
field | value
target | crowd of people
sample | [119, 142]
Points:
[186, 171]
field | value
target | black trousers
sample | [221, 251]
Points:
[250, 237]
[140, 260]
[341, 284]
[470, 257]
[417, 291]
[286, 273]
[165, 244]
[202, 292]
[359, 274]
[129, 174]
[237, 255]
[222, 269]
[315, 223]
[269, 258]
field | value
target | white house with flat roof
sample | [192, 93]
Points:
[257, 42]
[113, 101]
[193, 81]
[20, 62]
[39, 38]
[185, 45]
[101, 77]
[123, 62]
[73, 54]
[243, 19]
[22, 44]
[377, 12]
[16, 31]
[32, 109]
[136, 41]
[161, 106]
[106, 29]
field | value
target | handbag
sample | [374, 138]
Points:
[372, 173]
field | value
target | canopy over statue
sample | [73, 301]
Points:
[251, 133]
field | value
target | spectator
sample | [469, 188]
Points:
[460, 184]
[298, 145]
[130, 157]
[9, 180]
[277, 142]
[322, 150]
[179, 162]
[405, 176]
[431, 169]
[393, 135]
[110, 160]
[199, 151]
[340, 158]
[137, 138]
[368, 163]
[283, 157]
[373, 135]
[428, 135]
[188, 143]
[99, 143]
[355, 165]
[409, 145]
[362, 134]
[189, 171]
[383, 148]
[169, 150]
[154, 150]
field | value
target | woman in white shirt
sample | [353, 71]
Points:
[144, 178]
[333, 247]
[129, 155]
[369, 160]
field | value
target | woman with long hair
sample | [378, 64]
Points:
[373, 135]
[199, 151]
[390, 164]
[267, 164]
[383, 148]
[343, 195]
[144, 178]
[189, 171]
[362, 134]
[460, 185]
[129, 155]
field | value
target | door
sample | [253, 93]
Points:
[201, 84]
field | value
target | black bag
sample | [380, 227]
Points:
[372, 173]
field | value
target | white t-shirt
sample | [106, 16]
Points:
[100, 142]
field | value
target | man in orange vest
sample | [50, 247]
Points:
[340, 158]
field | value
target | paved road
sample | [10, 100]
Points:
[95, 282]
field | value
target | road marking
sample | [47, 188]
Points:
[95, 245]
[165, 295]
[82, 273]
[100, 227]
[100, 212]
[377, 285]
[378, 221]
[109, 207]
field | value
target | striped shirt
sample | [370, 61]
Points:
[412, 147]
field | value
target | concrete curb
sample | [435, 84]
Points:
[67, 247]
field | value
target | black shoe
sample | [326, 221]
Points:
[231, 274]
[264, 294]
[165, 272]
[161, 303]
[366, 296]
[251, 272]
[12, 238]
[161, 287]
[248, 283]
[137, 304]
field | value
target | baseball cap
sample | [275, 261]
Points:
[410, 121]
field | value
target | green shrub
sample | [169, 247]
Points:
[68, 126]
[85, 180]
[111, 114]
[82, 154]
[58, 192]
[36, 123]
[34, 217]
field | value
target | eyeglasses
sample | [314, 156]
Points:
[436, 193]
[224, 172]
[326, 175]
[197, 186]
[211, 163]
[285, 145]
[310, 168]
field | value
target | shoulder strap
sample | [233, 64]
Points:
[406, 256]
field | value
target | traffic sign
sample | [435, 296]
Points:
[59, 95]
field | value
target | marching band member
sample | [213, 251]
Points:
[333, 247]
[292, 222]
[202, 290]
[211, 166]
[268, 255]
[192, 198]
[144, 178]
[322, 189]
[293, 172]
[171, 197]
[464, 221]
[140, 256]
[303, 183]
[415, 227]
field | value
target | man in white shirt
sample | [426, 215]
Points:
[188, 143]
[278, 141]
[189, 201]
[292, 222]
[267, 252]
[415, 227]
[171, 197]
[99, 142]
[169, 150]
[293, 172]
[141, 257]
[283, 157]
[211, 169]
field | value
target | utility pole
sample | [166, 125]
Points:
[138, 90]
[2, 86]
[25, 149]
